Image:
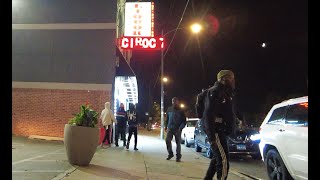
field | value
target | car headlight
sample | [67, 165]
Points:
[255, 137]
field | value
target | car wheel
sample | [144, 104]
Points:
[186, 142]
[209, 153]
[275, 166]
[197, 147]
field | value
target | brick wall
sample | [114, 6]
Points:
[45, 111]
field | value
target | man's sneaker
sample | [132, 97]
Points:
[136, 149]
[117, 144]
[178, 158]
[170, 156]
[127, 146]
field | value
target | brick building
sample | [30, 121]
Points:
[64, 54]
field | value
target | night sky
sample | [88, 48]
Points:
[278, 71]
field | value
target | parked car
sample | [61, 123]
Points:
[187, 134]
[245, 142]
[284, 140]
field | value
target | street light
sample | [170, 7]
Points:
[196, 28]
[182, 105]
[165, 79]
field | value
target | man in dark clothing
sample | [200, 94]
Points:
[200, 103]
[133, 125]
[219, 122]
[176, 120]
[122, 119]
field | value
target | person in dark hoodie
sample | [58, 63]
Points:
[219, 122]
[176, 121]
[133, 125]
[121, 125]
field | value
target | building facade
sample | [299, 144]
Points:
[63, 55]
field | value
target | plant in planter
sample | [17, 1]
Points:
[81, 136]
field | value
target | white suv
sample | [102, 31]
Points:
[284, 140]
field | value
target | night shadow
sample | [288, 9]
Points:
[108, 172]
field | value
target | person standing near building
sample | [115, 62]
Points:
[121, 126]
[133, 125]
[219, 122]
[176, 121]
[107, 119]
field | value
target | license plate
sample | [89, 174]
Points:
[241, 147]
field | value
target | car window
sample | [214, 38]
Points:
[298, 114]
[277, 115]
[191, 123]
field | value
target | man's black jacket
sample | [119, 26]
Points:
[219, 105]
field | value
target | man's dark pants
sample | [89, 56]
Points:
[122, 131]
[133, 130]
[177, 137]
[220, 160]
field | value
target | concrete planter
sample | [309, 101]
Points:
[80, 143]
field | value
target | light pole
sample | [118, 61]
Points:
[195, 28]
[162, 95]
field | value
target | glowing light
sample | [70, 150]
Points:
[263, 45]
[139, 19]
[304, 104]
[196, 28]
[141, 43]
[165, 79]
[255, 137]
[182, 105]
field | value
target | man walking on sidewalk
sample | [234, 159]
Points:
[121, 125]
[219, 122]
[133, 125]
[176, 121]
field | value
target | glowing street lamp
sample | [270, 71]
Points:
[196, 28]
[165, 79]
[182, 105]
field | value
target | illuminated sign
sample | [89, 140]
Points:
[139, 19]
[141, 43]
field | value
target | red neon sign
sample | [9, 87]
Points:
[144, 43]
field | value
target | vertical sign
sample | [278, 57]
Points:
[139, 19]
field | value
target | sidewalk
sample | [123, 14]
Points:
[148, 163]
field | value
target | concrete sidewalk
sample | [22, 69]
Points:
[147, 163]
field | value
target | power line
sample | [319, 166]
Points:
[172, 40]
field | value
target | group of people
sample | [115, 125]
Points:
[215, 107]
[121, 120]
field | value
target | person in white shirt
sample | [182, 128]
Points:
[107, 119]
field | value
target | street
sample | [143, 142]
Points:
[42, 159]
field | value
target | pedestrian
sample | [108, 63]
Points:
[176, 121]
[133, 125]
[121, 125]
[219, 122]
[107, 119]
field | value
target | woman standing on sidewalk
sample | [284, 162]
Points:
[107, 119]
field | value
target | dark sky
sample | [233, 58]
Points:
[279, 70]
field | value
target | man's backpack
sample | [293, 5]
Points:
[200, 103]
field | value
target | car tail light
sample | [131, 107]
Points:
[304, 104]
